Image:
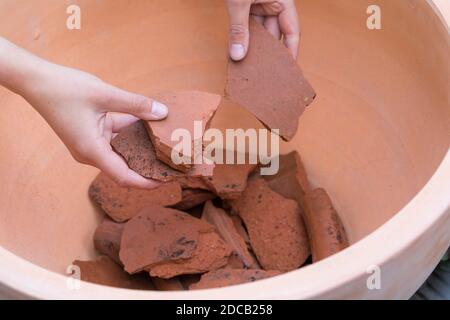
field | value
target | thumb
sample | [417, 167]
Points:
[239, 13]
[143, 107]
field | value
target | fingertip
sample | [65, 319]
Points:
[159, 110]
[237, 51]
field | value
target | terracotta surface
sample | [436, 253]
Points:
[269, 83]
[326, 234]
[275, 227]
[135, 146]
[167, 284]
[228, 231]
[106, 272]
[107, 239]
[226, 277]
[185, 108]
[193, 197]
[376, 138]
[121, 204]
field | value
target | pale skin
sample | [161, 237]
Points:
[86, 112]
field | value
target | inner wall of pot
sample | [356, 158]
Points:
[375, 135]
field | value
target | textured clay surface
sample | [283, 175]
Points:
[326, 233]
[185, 107]
[106, 272]
[275, 227]
[135, 146]
[107, 239]
[193, 197]
[121, 204]
[229, 277]
[269, 83]
[227, 230]
[157, 235]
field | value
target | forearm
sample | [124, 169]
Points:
[19, 69]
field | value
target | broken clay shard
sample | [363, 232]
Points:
[275, 227]
[229, 277]
[157, 235]
[193, 197]
[107, 239]
[121, 204]
[211, 253]
[269, 83]
[168, 284]
[227, 230]
[135, 146]
[185, 108]
[326, 232]
[106, 272]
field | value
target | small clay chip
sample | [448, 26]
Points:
[227, 230]
[135, 146]
[228, 277]
[211, 253]
[106, 272]
[275, 227]
[193, 197]
[229, 181]
[185, 108]
[291, 181]
[327, 235]
[107, 239]
[121, 204]
[269, 83]
[159, 235]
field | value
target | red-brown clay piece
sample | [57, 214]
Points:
[185, 107]
[291, 181]
[275, 227]
[229, 181]
[269, 83]
[227, 230]
[229, 277]
[106, 272]
[135, 146]
[121, 204]
[326, 233]
[107, 239]
[211, 253]
[173, 284]
[192, 198]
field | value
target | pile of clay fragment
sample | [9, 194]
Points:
[208, 226]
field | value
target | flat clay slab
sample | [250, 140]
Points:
[135, 146]
[107, 239]
[106, 272]
[227, 230]
[228, 277]
[185, 107]
[121, 204]
[192, 198]
[327, 235]
[269, 83]
[275, 227]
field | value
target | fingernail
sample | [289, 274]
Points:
[159, 110]
[237, 52]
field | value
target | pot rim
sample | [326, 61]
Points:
[22, 278]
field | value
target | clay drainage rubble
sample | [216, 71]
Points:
[208, 226]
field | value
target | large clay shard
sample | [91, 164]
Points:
[135, 146]
[185, 108]
[229, 181]
[275, 227]
[211, 253]
[106, 272]
[121, 204]
[229, 277]
[269, 83]
[291, 181]
[227, 230]
[159, 235]
[107, 239]
[193, 197]
[326, 233]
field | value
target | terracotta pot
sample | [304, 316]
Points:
[377, 137]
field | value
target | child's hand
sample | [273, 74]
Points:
[85, 112]
[278, 16]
